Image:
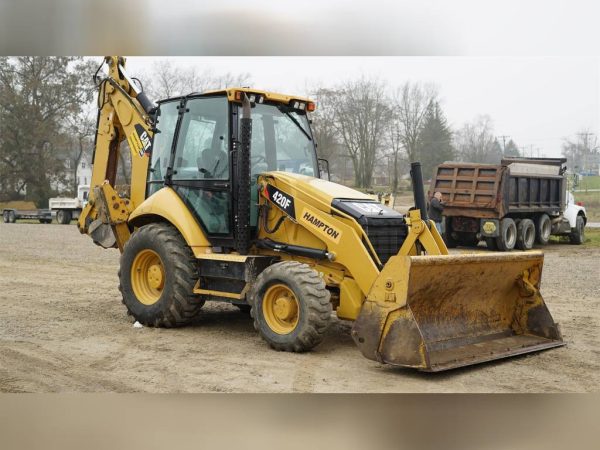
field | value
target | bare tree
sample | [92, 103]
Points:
[360, 116]
[409, 106]
[475, 141]
[583, 152]
[167, 80]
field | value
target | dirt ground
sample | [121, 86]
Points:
[63, 329]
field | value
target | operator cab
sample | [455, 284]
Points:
[194, 151]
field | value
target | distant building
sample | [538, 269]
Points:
[83, 175]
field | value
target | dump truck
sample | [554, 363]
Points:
[227, 204]
[509, 205]
[66, 209]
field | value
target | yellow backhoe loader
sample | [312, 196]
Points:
[227, 202]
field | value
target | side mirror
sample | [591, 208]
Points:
[324, 169]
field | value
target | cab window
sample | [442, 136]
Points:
[202, 146]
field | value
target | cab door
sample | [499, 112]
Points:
[201, 161]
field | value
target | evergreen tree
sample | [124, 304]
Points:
[511, 149]
[435, 140]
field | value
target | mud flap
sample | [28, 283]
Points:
[435, 313]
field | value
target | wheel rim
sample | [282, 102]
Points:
[280, 309]
[60, 216]
[147, 277]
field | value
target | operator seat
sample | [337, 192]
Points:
[213, 162]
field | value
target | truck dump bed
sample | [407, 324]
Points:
[517, 185]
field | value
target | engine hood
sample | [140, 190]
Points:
[323, 190]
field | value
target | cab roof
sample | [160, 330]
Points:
[230, 92]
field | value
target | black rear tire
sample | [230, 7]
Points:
[577, 235]
[5, 216]
[12, 217]
[508, 235]
[63, 216]
[543, 229]
[525, 234]
[312, 302]
[177, 304]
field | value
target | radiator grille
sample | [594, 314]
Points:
[386, 236]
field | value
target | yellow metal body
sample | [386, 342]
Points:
[423, 309]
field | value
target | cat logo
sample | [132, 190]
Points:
[139, 142]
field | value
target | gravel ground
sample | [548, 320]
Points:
[63, 329]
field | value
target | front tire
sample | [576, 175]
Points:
[12, 217]
[577, 235]
[291, 306]
[157, 277]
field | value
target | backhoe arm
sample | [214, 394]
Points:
[123, 113]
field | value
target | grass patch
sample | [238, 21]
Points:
[592, 238]
[589, 183]
[591, 201]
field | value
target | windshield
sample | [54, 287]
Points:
[281, 140]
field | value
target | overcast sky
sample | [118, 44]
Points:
[535, 100]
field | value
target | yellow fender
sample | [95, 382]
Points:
[167, 205]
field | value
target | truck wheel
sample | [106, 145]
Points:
[525, 234]
[543, 228]
[12, 217]
[5, 216]
[63, 216]
[577, 235]
[157, 277]
[291, 306]
[508, 235]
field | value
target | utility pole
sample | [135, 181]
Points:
[503, 143]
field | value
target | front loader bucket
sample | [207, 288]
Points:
[435, 313]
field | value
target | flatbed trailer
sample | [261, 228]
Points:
[11, 215]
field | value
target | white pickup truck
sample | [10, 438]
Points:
[66, 209]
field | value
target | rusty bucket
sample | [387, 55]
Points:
[436, 313]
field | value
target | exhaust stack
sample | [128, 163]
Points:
[242, 192]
